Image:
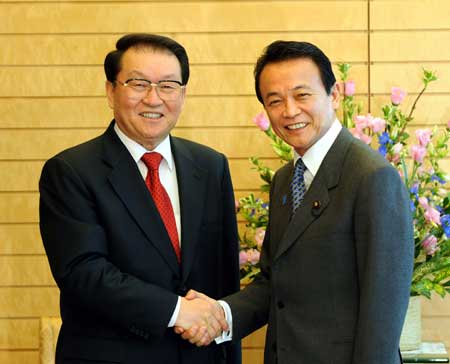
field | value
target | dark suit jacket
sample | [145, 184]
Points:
[335, 280]
[112, 258]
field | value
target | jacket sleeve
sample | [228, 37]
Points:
[250, 307]
[384, 248]
[230, 259]
[77, 248]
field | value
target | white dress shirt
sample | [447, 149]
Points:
[168, 178]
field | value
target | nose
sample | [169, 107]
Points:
[291, 108]
[151, 96]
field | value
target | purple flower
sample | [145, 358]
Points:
[445, 223]
[430, 244]
[418, 153]
[423, 136]
[397, 95]
[382, 150]
[349, 88]
[261, 121]
[384, 138]
[437, 178]
[415, 190]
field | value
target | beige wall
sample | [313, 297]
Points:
[52, 97]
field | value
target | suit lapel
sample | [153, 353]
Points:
[317, 197]
[129, 185]
[192, 184]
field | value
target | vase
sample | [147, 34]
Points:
[411, 337]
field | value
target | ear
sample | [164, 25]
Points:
[336, 95]
[183, 95]
[110, 93]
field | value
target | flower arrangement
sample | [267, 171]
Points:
[417, 161]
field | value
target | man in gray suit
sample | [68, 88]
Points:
[337, 257]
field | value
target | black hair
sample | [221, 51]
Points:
[280, 51]
[113, 59]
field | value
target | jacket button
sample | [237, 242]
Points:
[280, 304]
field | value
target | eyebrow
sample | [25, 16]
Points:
[298, 87]
[169, 76]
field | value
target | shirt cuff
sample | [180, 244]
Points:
[174, 317]
[228, 335]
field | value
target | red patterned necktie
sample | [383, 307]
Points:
[161, 198]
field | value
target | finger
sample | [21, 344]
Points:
[189, 334]
[214, 328]
[205, 340]
[201, 332]
[178, 330]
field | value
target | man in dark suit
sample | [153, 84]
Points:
[337, 257]
[134, 218]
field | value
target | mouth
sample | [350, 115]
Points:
[151, 115]
[296, 126]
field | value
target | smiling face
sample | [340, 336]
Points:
[295, 99]
[145, 118]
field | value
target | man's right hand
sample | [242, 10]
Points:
[201, 319]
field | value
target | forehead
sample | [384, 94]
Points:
[148, 60]
[290, 74]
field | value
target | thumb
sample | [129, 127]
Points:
[192, 294]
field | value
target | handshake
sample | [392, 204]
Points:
[201, 319]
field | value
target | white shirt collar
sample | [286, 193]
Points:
[316, 154]
[137, 150]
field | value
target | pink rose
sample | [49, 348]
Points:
[432, 215]
[362, 121]
[360, 135]
[377, 124]
[259, 236]
[430, 244]
[253, 256]
[423, 136]
[418, 153]
[261, 121]
[397, 148]
[423, 202]
[397, 95]
[448, 124]
[349, 88]
[420, 171]
[366, 139]
[243, 258]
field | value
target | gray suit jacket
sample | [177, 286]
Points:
[335, 280]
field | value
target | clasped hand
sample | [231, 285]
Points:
[201, 319]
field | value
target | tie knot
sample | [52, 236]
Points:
[152, 160]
